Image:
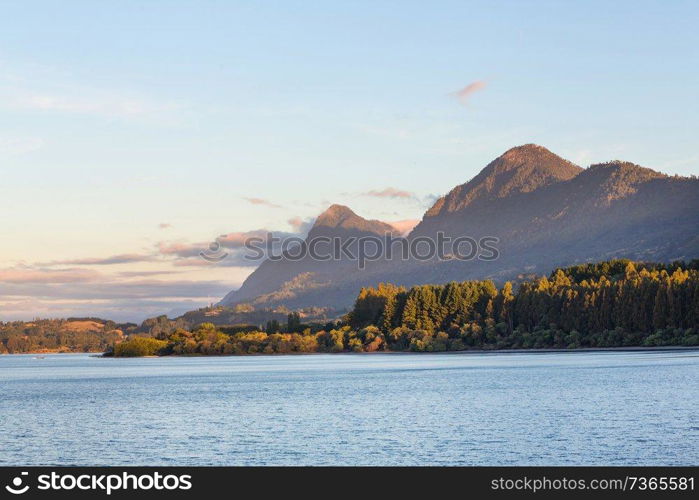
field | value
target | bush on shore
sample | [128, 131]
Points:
[139, 346]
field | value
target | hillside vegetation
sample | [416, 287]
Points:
[617, 303]
[61, 335]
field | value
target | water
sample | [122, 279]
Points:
[601, 408]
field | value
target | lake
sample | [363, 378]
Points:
[570, 408]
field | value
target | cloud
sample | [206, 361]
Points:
[262, 201]
[39, 275]
[237, 239]
[127, 258]
[144, 274]
[120, 310]
[19, 145]
[390, 192]
[164, 225]
[230, 259]
[465, 93]
[404, 226]
[228, 250]
[295, 222]
[121, 301]
[181, 249]
[431, 199]
[232, 250]
[399, 194]
[301, 226]
[49, 89]
[139, 289]
[85, 102]
[259, 242]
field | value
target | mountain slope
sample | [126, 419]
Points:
[277, 281]
[545, 211]
[615, 209]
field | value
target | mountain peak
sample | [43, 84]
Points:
[337, 210]
[521, 169]
[335, 215]
[533, 156]
[616, 179]
[618, 171]
[625, 166]
[526, 149]
[342, 217]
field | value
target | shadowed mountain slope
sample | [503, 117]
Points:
[277, 281]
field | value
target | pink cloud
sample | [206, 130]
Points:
[390, 192]
[182, 249]
[465, 93]
[36, 275]
[300, 225]
[127, 258]
[237, 239]
[262, 201]
[404, 226]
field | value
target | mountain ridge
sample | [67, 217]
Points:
[545, 211]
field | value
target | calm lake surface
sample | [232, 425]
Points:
[601, 408]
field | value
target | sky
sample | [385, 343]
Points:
[133, 134]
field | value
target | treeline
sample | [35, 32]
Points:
[611, 304]
[61, 335]
[228, 317]
[210, 339]
[207, 339]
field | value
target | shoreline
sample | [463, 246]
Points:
[469, 351]
[49, 352]
[100, 354]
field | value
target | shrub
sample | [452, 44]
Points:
[139, 346]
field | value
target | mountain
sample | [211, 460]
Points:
[545, 211]
[519, 170]
[280, 281]
[339, 219]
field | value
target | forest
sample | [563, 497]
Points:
[617, 303]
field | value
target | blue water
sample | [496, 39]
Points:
[601, 408]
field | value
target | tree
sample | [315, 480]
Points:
[272, 326]
[293, 322]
